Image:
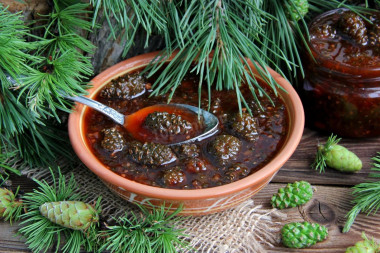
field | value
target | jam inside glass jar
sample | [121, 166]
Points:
[341, 90]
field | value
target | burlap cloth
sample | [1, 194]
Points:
[245, 228]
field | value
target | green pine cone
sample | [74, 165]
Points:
[365, 246]
[76, 215]
[336, 156]
[292, 195]
[7, 202]
[340, 158]
[301, 235]
[297, 9]
[362, 247]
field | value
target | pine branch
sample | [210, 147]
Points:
[5, 169]
[31, 86]
[228, 32]
[63, 68]
[11, 208]
[367, 196]
[33, 140]
[21, 129]
[13, 58]
[288, 35]
[130, 16]
[62, 74]
[14, 116]
[41, 234]
[151, 231]
[43, 145]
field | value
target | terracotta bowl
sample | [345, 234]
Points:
[195, 202]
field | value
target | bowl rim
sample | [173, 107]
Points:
[75, 129]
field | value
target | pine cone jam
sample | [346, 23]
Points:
[341, 90]
[242, 146]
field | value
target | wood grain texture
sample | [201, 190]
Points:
[9, 241]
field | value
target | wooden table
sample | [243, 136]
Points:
[329, 205]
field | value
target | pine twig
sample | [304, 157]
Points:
[41, 234]
[149, 232]
[320, 159]
[62, 68]
[216, 42]
[10, 207]
[367, 196]
[130, 16]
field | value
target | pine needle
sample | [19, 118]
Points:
[14, 117]
[320, 159]
[62, 68]
[214, 39]
[5, 169]
[149, 232]
[41, 234]
[131, 16]
[34, 74]
[11, 211]
[366, 196]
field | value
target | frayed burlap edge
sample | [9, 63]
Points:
[245, 228]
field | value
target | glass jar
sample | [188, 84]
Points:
[341, 90]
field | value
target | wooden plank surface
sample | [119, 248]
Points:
[329, 205]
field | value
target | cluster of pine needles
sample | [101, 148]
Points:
[366, 196]
[148, 230]
[37, 66]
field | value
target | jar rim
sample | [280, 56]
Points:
[334, 64]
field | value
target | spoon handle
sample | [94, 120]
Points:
[110, 112]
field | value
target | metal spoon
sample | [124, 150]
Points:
[210, 120]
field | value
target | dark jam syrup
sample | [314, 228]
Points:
[273, 128]
[135, 125]
[342, 48]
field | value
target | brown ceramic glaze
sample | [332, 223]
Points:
[195, 202]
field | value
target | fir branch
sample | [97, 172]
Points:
[41, 234]
[151, 231]
[367, 196]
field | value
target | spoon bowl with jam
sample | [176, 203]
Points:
[171, 124]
